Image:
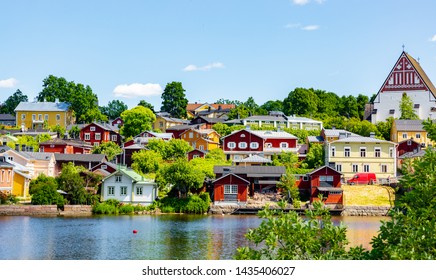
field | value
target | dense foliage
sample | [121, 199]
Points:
[8, 107]
[174, 100]
[196, 204]
[110, 149]
[136, 120]
[43, 190]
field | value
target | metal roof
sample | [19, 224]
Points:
[43, 106]
[409, 125]
[269, 170]
[81, 157]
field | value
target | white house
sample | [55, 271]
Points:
[406, 77]
[128, 186]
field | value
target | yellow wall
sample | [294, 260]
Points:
[418, 136]
[21, 185]
[197, 140]
[387, 158]
[26, 118]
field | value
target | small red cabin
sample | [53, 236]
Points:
[230, 188]
[326, 181]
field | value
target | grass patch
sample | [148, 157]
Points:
[368, 195]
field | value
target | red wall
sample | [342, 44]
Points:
[56, 149]
[230, 179]
[249, 138]
[292, 143]
[403, 148]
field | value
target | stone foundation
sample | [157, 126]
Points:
[366, 211]
[45, 210]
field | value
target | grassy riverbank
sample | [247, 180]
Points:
[368, 195]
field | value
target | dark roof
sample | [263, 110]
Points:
[182, 127]
[232, 174]
[322, 167]
[4, 163]
[81, 157]
[210, 120]
[7, 117]
[72, 142]
[409, 125]
[264, 170]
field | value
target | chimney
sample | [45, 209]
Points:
[23, 147]
[372, 134]
[30, 148]
[333, 127]
[4, 143]
[57, 100]
[342, 135]
[17, 147]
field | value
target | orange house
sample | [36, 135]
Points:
[202, 139]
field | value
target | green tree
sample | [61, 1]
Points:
[174, 100]
[80, 97]
[287, 184]
[329, 103]
[287, 236]
[362, 100]
[110, 149]
[93, 115]
[181, 176]
[384, 128]
[315, 156]
[147, 105]
[70, 181]
[114, 109]
[272, 105]
[146, 161]
[349, 107]
[222, 129]
[239, 112]
[301, 102]
[8, 107]
[43, 190]
[406, 108]
[411, 234]
[74, 132]
[136, 120]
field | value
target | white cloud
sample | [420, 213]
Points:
[310, 27]
[137, 90]
[192, 67]
[8, 83]
[300, 2]
[433, 39]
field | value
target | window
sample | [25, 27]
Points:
[355, 168]
[96, 144]
[201, 147]
[92, 128]
[230, 189]
[283, 145]
[231, 145]
[366, 168]
[161, 124]
[404, 135]
[58, 117]
[305, 178]
[87, 136]
[114, 138]
[123, 191]
[195, 156]
[333, 151]
[362, 152]
[118, 178]
[242, 135]
[97, 136]
[23, 116]
[40, 117]
[339, 167]
[139, 190]
[418, 135]
[254, 145]
[392, 111]
[111, 191]
[46, 117]
[191, 135]
[384, 168]
[33, 117]
[391, 152]
[377, 152]
[347, 152]
[242, 145]
[326, 178]
[104, 166]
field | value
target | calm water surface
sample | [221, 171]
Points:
[160, 237]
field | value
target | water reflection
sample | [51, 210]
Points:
[158, 237]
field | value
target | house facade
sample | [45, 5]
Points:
[127, 186]
[357, 154]
[277, 119]
[410, 129]
[95, 133]
[230, 189]
[65, 146]
[406, 77]
[213, 110]
[86, 160]
[37, 115]
[243, 143]
[34, 162]
[164, 121]
[7, 120]
[202, 139]
[13, 179]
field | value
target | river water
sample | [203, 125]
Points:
[158, 237]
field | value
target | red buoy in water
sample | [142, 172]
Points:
[135, 231]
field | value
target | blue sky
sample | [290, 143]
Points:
[232, 49]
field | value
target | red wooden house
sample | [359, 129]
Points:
[196, 153]
[144, 137]
[230, 189]
[65, 146]
[408, 146]
[118, 122]
[326, 181]
[95, 134]
[105, 168]
[242, 143]
[177, 130]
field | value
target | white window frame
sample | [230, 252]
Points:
[418, 135]
[114, 138]
[345, 151]
[284, 145]
[118, 178]
[254, 145]
[338, 167]
[104, 166]
[377, 152]
[242, 145]
[87, 136]
[391, 152]
[97, 136]
[123, 190]
[191, 134]
[231, 145]
[355, 168]
[92, 128]
[23, 116]
[139, 191]
[366, 168]
[384, 168]
[46, 117]
[33, 117]
[111, 191]
[201, 147]
[333, 151]
[230, 189]
[362, 152]
[58, 117]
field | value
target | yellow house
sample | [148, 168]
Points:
[202, 139]
[358, 154]
[12, 180]
[37, 115]
[21, 184]
[213, 110]
[410, 129]
[164, 121]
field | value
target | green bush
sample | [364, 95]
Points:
[7, 198]
[196, 204]
[126, 209]
[104, 208]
